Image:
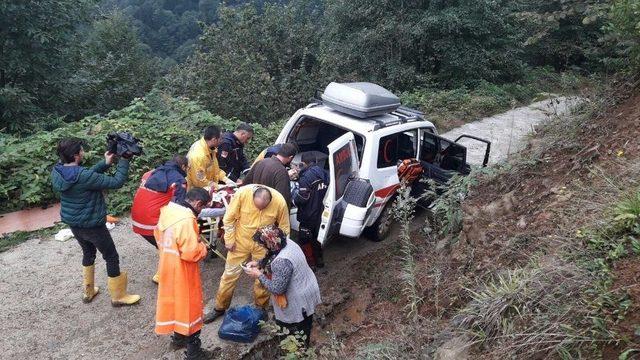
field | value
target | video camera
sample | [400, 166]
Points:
[124, 144]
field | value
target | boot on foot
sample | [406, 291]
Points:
[90, 290]
[213, 315]
[118, 291]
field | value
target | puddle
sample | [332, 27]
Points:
[30, 219]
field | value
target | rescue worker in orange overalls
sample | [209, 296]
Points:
[252, 207]
[203, 161]
[180, 306]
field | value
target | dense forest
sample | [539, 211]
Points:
[258, 61]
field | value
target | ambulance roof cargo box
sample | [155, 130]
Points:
[360, 99]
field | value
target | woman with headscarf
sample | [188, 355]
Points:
[284, 272]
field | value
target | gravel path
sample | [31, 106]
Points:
[42, 317]
[507, 131]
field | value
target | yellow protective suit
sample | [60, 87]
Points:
[203, 165]
[180, 306]
[241, 221]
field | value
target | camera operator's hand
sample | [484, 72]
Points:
[108, 157]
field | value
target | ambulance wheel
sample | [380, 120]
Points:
[379, 230]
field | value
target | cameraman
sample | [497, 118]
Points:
[83, 208]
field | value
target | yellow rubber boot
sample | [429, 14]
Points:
[156, 277]
[118, 291]
[90, 290]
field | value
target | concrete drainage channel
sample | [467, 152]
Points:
[45, 275]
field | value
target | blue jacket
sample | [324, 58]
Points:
[231, 157]
[166, 175]
[80, 189]
[308, 196]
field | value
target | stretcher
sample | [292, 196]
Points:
[210, 218]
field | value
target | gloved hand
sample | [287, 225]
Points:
[229, 182]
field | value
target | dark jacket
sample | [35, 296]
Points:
[272, 173]
[166, 175]
[82, 203]
[231, 157]
[308, 196]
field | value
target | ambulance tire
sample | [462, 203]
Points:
[357, 192]
[380, 229]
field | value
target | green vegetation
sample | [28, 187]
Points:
[167, 125]
[450, 108]
[257, 66]
[404, 212]
[7, 241]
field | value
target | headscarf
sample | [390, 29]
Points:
[273, 239]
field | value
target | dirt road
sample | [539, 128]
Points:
[42, 317]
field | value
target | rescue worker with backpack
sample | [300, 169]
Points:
[83, 208]
[157, 188]
[231, 154]
[204, 169]
[180, 306]
[307, 197]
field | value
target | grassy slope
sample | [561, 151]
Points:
[540, 267]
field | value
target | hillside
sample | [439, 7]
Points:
[544, 263]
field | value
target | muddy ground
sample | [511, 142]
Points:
[42, 316]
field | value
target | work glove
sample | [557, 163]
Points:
[229, 182]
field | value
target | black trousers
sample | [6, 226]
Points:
[98, 238]
[151, 239]
[303, 326]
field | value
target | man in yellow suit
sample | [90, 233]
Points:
[203, 161]
[252, 207]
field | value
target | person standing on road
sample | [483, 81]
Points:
[231, 154]
[179, 307]
[203, 161]
[287, 276]
[83, 208]
[308, 197]
[251, 208]
[272, 172]
[159, 186]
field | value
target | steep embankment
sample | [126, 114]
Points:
[540, 261]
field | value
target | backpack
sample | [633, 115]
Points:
[409, 170]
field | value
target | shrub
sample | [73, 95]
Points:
[166, 125]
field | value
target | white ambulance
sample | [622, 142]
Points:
[360, 133]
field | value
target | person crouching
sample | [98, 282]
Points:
[180, 305]
[284, 272]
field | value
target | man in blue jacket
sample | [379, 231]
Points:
[231, 157]
[83, 208]
[308, 197]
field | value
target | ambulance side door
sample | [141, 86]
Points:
[343, 165]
